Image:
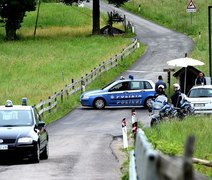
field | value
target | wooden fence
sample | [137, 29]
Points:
[49, 105]
[146, 163]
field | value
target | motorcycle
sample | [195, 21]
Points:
[185, 108]
[161, 109]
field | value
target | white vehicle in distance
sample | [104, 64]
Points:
[201, 98]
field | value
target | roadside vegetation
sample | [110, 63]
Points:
[63, 49]
[173, 14]
[170, 136]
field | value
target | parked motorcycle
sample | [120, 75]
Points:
[161, 109]
[185, 108]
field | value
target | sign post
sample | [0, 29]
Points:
[209, 41]
[191, 8]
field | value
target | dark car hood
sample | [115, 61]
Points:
[15, 132]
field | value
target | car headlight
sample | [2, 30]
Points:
[25, 140]
[85, 97]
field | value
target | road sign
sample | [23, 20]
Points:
[191, 6]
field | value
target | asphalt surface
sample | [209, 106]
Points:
[85, 144]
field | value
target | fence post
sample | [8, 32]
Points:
[91, 74]
[66, 90]
[72, 82]
[55, 99]
[82, 85]
[103, 63]
[49, 104]
[41, 107]
[122, 55]
[62, 95]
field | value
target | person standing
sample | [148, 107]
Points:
[200, 80]
[158, 83]
[176, 97]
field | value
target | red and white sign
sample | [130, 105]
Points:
[191, 6]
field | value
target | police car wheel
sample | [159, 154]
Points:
[147, 103]
[99, 103]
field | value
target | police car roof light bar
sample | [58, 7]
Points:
[131, 77]
[24, 101]
[9, 103]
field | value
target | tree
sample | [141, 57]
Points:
[12, 13]
[96, 17]
[96, 13]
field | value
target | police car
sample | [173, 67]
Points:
[123, 92]
[22, 133]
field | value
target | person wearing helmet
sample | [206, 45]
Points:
[176, 97]
[158, 83]
[160, 91]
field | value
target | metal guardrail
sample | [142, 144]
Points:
[51, 103]
[146, 163]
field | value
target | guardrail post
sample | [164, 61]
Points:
[146, 158]
[132, 167]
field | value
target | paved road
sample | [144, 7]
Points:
[83, 144]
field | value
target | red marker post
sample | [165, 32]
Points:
[124, 133]
[134, 123]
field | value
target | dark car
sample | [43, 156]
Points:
[22, 133]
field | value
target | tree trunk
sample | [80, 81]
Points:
[96, 17]
[10, 31]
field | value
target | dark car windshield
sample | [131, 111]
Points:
[15, 118]
[200, 92]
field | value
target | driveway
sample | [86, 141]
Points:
[86, 143]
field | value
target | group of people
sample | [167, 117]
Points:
[160, 87]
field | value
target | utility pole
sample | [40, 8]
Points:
[209, 39]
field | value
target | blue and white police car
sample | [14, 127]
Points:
[123, 92]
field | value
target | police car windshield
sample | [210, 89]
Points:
[9, 118]
[108, 85]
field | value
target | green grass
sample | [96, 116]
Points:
[172, 14]
[170, 138]
[63, 51]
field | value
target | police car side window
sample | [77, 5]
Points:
[147, 85]
[135, 85]
[120, 87]
[116, 87]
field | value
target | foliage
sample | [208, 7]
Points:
[170, 138]
[12, 12]
[174, 16]
[56, 55]
[118, 3]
